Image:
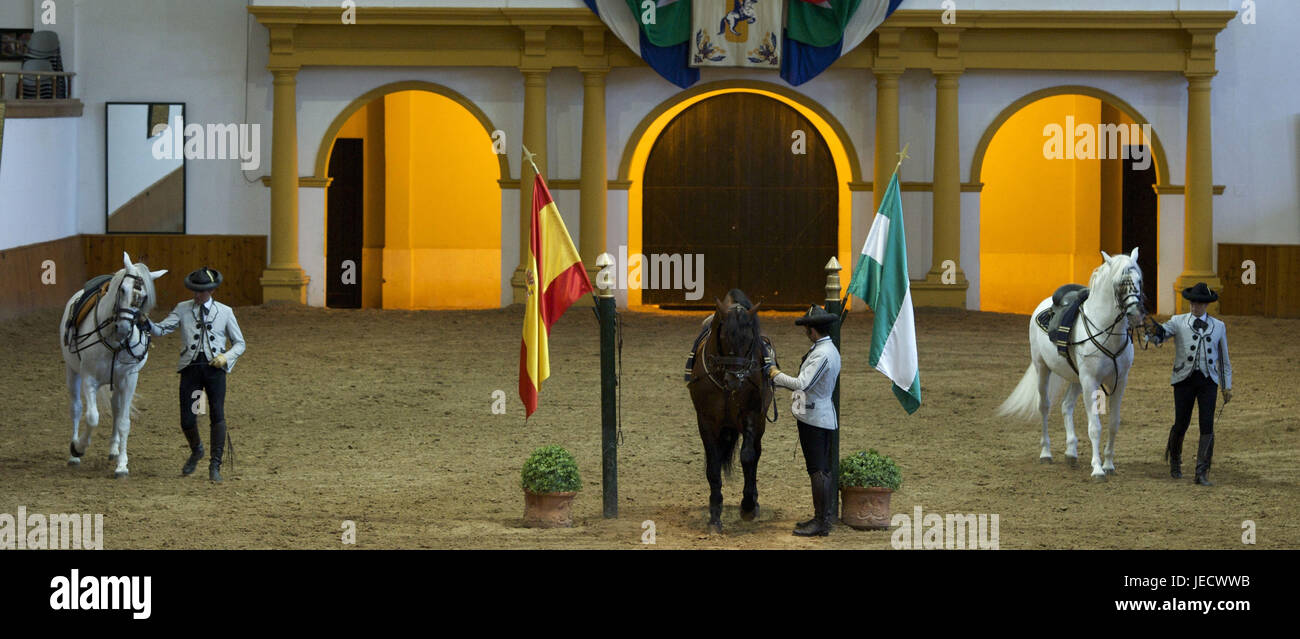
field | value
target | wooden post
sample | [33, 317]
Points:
[608, 315]
[834, 305]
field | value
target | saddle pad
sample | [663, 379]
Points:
[90, 295]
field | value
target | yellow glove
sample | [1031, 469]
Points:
[218, 361]
[773, 372]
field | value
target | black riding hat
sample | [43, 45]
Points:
[1200, 293]
[204, 279]
[817, 317]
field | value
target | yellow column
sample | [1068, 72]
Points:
[593, 183]
[1198, 211]
[535, 140]
[886, 132]
[284, 280]
[945, 284]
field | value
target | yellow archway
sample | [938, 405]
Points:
[1043, 220]
[432, 219]
[637, 152]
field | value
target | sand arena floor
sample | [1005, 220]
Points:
[384, 418]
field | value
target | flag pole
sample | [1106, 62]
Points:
[902, 155]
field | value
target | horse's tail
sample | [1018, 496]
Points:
[727, 449]
[1023, 401]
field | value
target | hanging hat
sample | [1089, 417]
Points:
[817, 317]
[204, 279]
[1200, 293]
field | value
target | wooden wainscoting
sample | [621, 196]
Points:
[1274, 292]
[240, 258]
[43, 275]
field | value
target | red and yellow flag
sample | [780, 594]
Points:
[555, 277]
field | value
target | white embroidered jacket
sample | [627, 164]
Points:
[208, 336]
[1204, 349]
[817, 376]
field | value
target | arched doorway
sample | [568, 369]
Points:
[750, 183]
[1067, 172]
[413, 210]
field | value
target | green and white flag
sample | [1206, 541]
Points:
[881, 280]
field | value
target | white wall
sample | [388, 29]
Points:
[36, 203]
[189, 51]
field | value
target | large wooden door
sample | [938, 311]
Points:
[726, 179]
[1139, 226]
[344, 222]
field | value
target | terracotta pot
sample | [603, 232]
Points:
[865, 508]
[548, 510]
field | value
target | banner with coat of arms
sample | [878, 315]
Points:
[736, 33]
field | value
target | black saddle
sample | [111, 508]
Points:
[90, 294]
[1059, 319]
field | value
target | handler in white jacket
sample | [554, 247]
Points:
[1201, 366]
[815, 414]
[205, 326]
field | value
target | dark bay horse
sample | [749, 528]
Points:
[731, 397]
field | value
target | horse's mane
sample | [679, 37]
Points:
[730, 323]
[1105, 270]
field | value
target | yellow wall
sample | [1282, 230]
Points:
[442, 245]
[1039, 217]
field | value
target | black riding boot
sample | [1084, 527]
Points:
[196, 451]
[1204, 455]
[816, 485]
[1174, 453]
[821, 523]
[218, 449]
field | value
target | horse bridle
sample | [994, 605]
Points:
[131, 313]
[1127, 294]
[736, 369]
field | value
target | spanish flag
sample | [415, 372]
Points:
[555, 277]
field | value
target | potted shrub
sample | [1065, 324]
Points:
[550, 480]
[867, 479]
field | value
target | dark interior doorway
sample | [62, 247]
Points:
[344, 223]
[1140, 223]
[729, 179]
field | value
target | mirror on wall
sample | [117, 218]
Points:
[145, 167]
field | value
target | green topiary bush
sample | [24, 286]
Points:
[551, 469]
[868, 468]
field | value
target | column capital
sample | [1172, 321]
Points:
[947, 79]
[595, 73]
[535, 75]
[1199, 79]
[284, 73]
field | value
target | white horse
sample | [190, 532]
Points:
[107, 348]
[1102, 349]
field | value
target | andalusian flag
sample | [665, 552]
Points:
[881, 280]
[555, 278]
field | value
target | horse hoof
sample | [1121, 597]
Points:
[74, 461]
[1110, 471]
[1100, 478]
[72, 450]
[749, 515]
[715, 528]
[1044, 460]
[121, 474]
